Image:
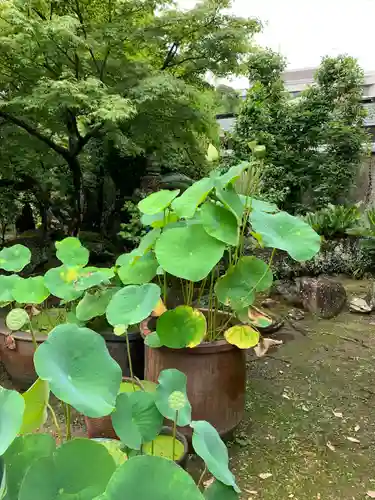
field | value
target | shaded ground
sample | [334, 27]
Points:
[304, 402]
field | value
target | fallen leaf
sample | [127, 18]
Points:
[356, 428]
[330, 446]
[337, 414]
[265, 475]
[371, 494]
[353, 440]
[285, 396]
[264, 345]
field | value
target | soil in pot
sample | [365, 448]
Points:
[216, 379]
[162, 446]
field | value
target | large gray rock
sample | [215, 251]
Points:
[324, 297]
[359, 305]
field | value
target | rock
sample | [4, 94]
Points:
[296, 314]
[370, 297]
[268, 303]
[358, 305]
[289, 291]
[324, 297]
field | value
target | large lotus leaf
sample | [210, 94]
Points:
[94, 304]
[209, 446]
[16, 319]
[14, 258]
[181, 327]
[220, 223]
[231, 201]
[80, 469]
[172, 382]
[286, 232]
[132, 304]
[148, 241]
[60, 282]
[188, 252]
[258, 205]
[36, 400]
[157, 202]
[30, 291]
[159, 220]
[71, 252]
[23, 452]
[138, 270]
[242, 336]
[93, 276]
[238, 286]
[136, 419]
[186, 205]
[76, 363]
[3, 485]
[151, 478]
[12, 407]
[7, 283]
[219, 491]
[233, 174]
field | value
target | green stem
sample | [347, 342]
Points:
[68, 422]
[35, 343]
[202, 476]
[165, 287]
[55, 422]
[174, 435]
[152, 447]
[129, 360]
[201, 291]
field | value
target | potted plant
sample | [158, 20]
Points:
[80, 294]
[198, 238]
[74, 365]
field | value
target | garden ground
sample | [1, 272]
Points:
[309, 432]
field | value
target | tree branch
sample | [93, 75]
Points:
[171, 53]
[35, 133]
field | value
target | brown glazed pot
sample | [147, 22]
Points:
[216, 380]
[17, 354]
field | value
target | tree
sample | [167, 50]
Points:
[228, 99]
[126, 73]
[314, 143]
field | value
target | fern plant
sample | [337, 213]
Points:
[334, 221]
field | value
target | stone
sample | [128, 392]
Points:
[359, 305]
[296, 314]
[268, 303]
[289, 291]
[370, 297]
[324, 297]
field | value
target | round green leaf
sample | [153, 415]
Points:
[170, 381]
[7, 283]
[186, 205]
[219, 223]
[148, 241]
[233, 174]
[36, 400]
[188, 252]
[23, 452]
[79, 469]
[283, 231]
[181, 327]
[157, 202]
[14, 258]
[219, 491]
[93, 276]
[12, 407]
[16, 319]
[60, 282]
[132, 304]
[231, 201]
[258, 205]
[153, 340]
[76, 363]
[238, 286]
[242, 336]
[30, 291]
[151, 478]
[71, 252]
[94, 304]
[209, 446]
[136, 419]
[138, 270]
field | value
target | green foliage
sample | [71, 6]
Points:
[315, 143]
[36, 400]
[14, 258]
[334, 221]
[133, 230]
[171, 382]
[228, 100]
[16, 319]
[181, 327]
[12, 408]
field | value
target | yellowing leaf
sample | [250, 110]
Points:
[159, 309]
[70, 275]
[36, 400]
[242, 336]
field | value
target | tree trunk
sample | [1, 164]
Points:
[75, 169]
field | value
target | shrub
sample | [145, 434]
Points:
[334, 221]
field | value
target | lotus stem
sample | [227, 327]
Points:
[202, 476]
[35, 343]
[201, 290]
[68, 422]
[174, 435]
[55, 422]
[129, 360]
[152, 447]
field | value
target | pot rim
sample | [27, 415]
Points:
[167, 431]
